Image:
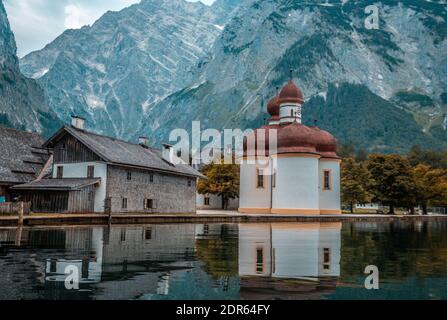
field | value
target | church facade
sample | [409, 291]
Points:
[290, 168]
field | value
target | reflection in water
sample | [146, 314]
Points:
[89, 263]
[289, 261]
[226, 261]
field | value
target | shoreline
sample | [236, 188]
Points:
[201, 217]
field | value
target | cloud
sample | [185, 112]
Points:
[73, 17]
[80, 13]
[30, 23]
[36, 23]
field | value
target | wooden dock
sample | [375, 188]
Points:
[122, 219]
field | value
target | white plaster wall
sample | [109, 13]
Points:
[250, 196]
[94, 265]
[79, 170]
[285, 112]
[330, 238]
[296, 251]
[251, 238]
[215, 202]
[329, 199]
[296, 183]
[291, 250]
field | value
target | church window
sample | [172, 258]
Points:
[326, 180]
[259, 260]
[274, 180]
[326, 258]
[260, 179]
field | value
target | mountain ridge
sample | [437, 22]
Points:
[22, 101]
[326, 44]
[112, 72]
[228, 71]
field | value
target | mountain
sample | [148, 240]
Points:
[116, 70]
[382, 89]
[22, 101]
[160, 64]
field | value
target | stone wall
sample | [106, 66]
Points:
[170, 193]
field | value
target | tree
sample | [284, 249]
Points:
[219, 253]
[435, 159]
[431, 186]
[361, 155]
[346, 150]
[354, 183]
[222, 180]
[392, 182]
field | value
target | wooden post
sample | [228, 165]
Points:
[21, 213]
[19, 235]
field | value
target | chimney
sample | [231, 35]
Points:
[143, 141]
[168, 153]
[77, 122]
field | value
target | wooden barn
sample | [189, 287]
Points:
[22, 159]
[60, 195]
[96, 173]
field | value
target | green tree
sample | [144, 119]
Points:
[392, 182]
[355, 179]
[222, 180]
[431, 186]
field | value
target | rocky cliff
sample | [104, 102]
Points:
[22, 101]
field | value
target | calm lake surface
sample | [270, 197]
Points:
[226, 261]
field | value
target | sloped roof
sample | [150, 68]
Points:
[21, 156]
[58, 184]
[121, 152]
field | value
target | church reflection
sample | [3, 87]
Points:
[289, 261]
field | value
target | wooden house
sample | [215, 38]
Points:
[22, 159]
[96, 173]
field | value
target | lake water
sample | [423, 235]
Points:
[226, 261]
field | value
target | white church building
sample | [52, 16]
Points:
[291, 168]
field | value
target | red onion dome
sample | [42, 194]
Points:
[274, 118]
[273, 107]
[259, 140]
[291, 93]
[326, 143]
[296, 137]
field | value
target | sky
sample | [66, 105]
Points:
[35, 23]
